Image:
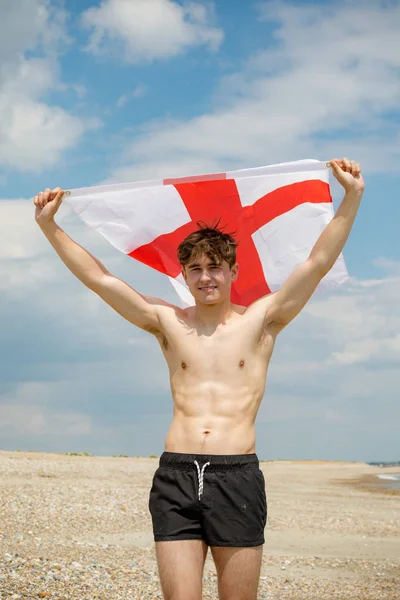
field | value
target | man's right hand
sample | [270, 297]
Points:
[47, 204]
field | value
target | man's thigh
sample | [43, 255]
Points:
[180, 567]
[238, 571]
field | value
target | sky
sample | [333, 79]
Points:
[125, 90]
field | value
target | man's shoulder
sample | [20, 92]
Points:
[168, 313]
[261, 304]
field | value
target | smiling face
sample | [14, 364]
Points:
[208, 280]
[208, 259]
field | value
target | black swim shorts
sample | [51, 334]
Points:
[219, 499]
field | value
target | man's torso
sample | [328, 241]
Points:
[217, 378]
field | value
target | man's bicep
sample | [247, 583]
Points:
[129, 303]
[294, 294]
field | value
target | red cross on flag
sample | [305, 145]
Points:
[277, 213]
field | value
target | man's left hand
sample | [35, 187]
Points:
[348, 174]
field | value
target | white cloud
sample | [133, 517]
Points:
[33, 134]
[138, 92]
[34, 421]
[25, 24]
[390, 266]
[18, 231]
[25, 413]
[361, 325]
[80, 90]
[165, 166]
[295, 99]
[368, 349]
[22, 238]
[150, 29]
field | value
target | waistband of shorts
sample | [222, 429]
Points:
[218, 462]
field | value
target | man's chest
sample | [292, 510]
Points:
[228, 348]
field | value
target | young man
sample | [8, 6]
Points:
[209, 490]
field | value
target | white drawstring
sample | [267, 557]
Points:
[201, 476]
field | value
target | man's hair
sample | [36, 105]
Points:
[209, 240]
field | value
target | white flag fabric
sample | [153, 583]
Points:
[277, 213]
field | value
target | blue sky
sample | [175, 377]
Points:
[123, 90]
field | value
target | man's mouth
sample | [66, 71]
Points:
[207, 288]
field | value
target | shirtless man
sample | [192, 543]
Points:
[209, 490]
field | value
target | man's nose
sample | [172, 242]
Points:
[205, 275]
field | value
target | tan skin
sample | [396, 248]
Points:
[217, 386]
[218, 355]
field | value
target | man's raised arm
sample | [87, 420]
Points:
[287, 302]
[139, 310]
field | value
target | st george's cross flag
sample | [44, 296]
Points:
[277, 213]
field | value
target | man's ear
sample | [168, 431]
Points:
[184, 274]
[235, 272]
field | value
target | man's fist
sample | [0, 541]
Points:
[47, 203]
[348, 174]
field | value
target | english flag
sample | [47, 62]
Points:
[277, 213]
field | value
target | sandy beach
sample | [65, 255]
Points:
[77, 527]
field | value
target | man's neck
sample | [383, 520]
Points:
[212, 315]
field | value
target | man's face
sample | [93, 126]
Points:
[208, 281]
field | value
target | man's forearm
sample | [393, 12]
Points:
[332, 240]
[78, 260]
